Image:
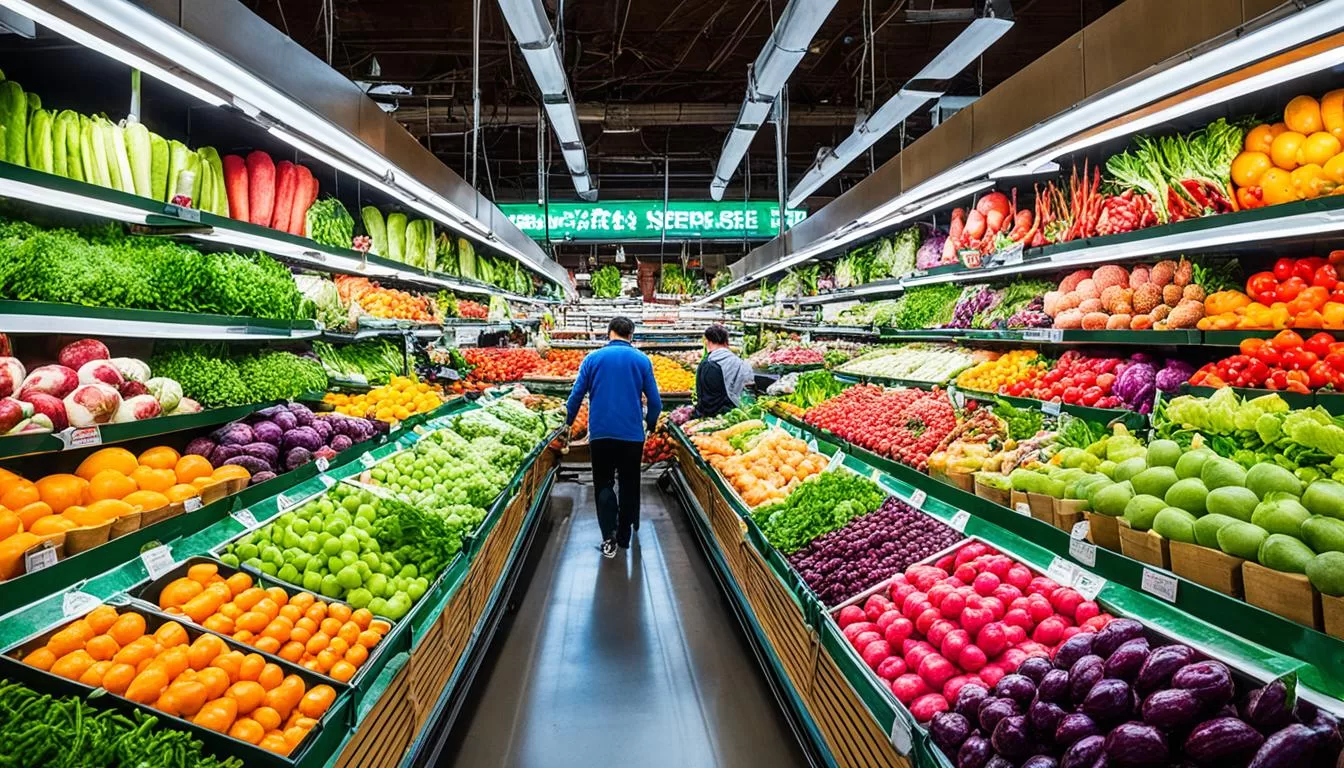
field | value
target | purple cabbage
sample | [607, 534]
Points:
[323, 429]
[285, 420]
[201, 446]
[1135, 384]
[301, 413]
[297, 457]
[234, 433]
[1173, 375]
[930, 253]
[302, 437]
[268, 432]
[264, 451]
[261, 477]
[340, 443]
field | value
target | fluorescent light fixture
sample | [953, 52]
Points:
[1025, 169]
[527, 20]
[65, 29]
[970, 44]
[71, 202]
[879, 218]
[308, 148]
[788, 43]
[547, 69]
[973, 41]
[565, 122]
[577, 160]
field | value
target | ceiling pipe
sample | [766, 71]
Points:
[536, 39]
[786, 47]
[994, 20]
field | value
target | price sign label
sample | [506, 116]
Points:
[1023, 508]
[900, 735]
[327, 480]
[1062, 571]
[960, 520]
[158, 560]
[1160, 584]
[467, 335]
[76, 603]
[1050, 408]
[41, 556]
[192, 504]
[367, 459]
[1080, 530]
[1088, 584]
[1054, 335]
[282, 502]
[246, 518]
[918, 498]
[812, 445]
[1083, 551]
[837, 459]
[322, 463]
[1011, 255]
[81, 437]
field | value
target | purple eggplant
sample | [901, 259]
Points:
[1041, 761]
[1084, 753]
[1085, 673]
[1136, 744]
[1267, 708]
[1020, 688]
[1109, 701]
[992, 710]
[1054, 687]
[975, 752]
[1011, 737]
[949, 730]
[1073, 649]
[1222, 739]
[1035, 667]
[969, 699]
[1210, 680]
[1074, 727]
[1044, 718]
[1127, 660]
[1171, 708]
[1160, 665]
[1291, 747]
[1114, 635]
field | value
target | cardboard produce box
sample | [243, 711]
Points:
[1289, 595]
[1145, 546]
[1103, 531]
[1042, 507]
[1068, 513]
[1207, 567]
[1332, 615]
[1000, 496]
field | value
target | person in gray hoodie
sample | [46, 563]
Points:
[721, 377]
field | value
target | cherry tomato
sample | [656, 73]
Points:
[1283, 269]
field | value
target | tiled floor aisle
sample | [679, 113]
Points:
[630, 662]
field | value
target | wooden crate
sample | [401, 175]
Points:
[1289, 595]
[1211, 568]
[1332, 615]
[1103, 531]
[386, 733]
[1145, 546]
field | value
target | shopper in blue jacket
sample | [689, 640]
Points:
[614, 378]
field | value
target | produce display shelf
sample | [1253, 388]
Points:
[157, 217]
[832, 330]
[1234, 338]
[37, 317]
[1286, 645]
[1019, 535]
[15, 446]
[1175, 338]
[382, 333]
[864, 378]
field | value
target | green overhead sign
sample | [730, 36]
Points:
[646, 220]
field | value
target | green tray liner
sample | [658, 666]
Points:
[1018, 534]
[52, 309]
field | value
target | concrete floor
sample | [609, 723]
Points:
[635, 662]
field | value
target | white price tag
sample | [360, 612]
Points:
[283, 503]
[960, 520]
[158, 560]
[1033, 334]
[1012, 254]
[192, 504]
[367, 459]
[76, 603]
[1050, 408]
[900, 735]
[1083, 551]
[1160, 584]
[918, 498]
[812, 445]
[327, 480]
[1023, 508]
[1088, 584]
[467, 335]
[1080, 530]
[1062, 571]
[246, 518]
[80, 437]
[322, 463]
[1055, 335]
[876, 477]
[837, 459]
[39, 557]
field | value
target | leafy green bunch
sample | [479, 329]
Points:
[206, 374]
[817, 506]
[275, 375]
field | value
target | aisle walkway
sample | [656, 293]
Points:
[634, 662]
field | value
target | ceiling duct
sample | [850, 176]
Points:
[787, 45]
[994, 20]
[536, 39]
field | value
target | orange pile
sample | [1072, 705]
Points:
[329, 639]
[200, 680]
[387, 303]
[109, 483]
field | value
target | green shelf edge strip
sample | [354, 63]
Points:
[52, 309]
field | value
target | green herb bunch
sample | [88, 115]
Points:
[280, 375]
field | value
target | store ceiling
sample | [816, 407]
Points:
[657, 84]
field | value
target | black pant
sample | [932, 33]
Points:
[617, 461]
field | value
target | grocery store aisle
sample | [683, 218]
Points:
[636, 661]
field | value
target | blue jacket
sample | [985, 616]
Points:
[614, 377]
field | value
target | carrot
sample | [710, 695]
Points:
[235, 184]
[305, 194]
[260, 187]
[285, 178]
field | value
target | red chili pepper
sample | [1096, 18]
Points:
[1283, 269]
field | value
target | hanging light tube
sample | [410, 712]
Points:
[925, 86]
[786, 47]
[532, 29]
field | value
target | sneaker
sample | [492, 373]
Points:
[608, 548]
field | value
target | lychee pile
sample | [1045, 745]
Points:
[1161, 297]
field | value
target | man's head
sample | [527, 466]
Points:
[620, 328]
[716, 336]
